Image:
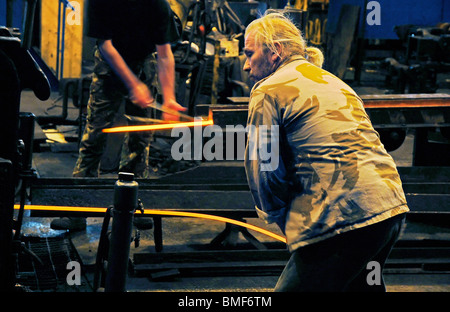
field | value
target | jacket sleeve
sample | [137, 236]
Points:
[267, 176]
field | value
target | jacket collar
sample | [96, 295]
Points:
[283, 64]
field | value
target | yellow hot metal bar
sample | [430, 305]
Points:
[159, 126]
[156, 212]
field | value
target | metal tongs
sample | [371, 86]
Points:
[159, 107]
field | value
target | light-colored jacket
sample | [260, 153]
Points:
[314, 163]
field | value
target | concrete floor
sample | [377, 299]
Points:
[58, 159]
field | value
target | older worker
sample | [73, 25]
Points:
[334, 190]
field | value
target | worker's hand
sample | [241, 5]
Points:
[141, 96]
[173, 105]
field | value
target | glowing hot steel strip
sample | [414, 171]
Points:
[159, 127]
[158, 212]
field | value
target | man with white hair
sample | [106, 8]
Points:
[335, 192]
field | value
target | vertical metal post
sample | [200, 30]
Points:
[28, 23]
[60, 43]
[63, 41]
[215, 78]
[9, 13]
[9, 118]
[7, 272]
[125, 203]
[25, 172]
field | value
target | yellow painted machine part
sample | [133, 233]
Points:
[73, 43]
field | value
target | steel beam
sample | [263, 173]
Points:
[384, 110]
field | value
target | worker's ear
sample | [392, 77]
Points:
[276, 57]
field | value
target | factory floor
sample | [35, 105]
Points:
[56, 158]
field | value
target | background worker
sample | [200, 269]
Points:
[128, 33]
[334, 191]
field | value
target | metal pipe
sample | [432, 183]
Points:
[58, 42]
[102, 253]
[63, 118]
[63, 42]
[25, 170]
[125, 203]
[9, 13]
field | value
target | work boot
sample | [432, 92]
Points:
[69, 224]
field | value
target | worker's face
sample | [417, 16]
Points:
[260, 62]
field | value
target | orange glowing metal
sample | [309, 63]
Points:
[159, 126]
[160, 213]
[400, 104]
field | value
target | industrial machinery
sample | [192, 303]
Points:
[219, 188]
[214, 188]
[426, 54]
[18, 71]
[391, 114]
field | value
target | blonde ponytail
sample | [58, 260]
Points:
[314, 56]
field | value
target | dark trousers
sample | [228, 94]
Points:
[340, 263]
[107, 95]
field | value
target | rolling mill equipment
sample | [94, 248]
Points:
[19, 71]
[219, 188]
[215, 190]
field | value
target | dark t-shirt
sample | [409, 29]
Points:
[134, 26]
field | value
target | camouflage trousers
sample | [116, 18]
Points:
[107, 95]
